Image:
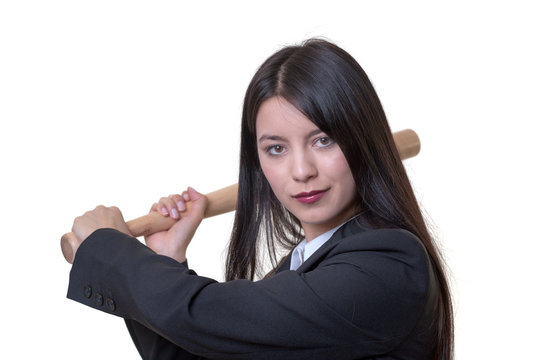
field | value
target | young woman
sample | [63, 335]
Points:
[319, 174]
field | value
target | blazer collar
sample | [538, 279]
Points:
[354, 226]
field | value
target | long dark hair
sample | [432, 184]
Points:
[330, 88]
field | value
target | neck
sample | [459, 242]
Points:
[311, 231]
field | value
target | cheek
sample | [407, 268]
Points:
[271, 172]
[338, 168]
[336, 164]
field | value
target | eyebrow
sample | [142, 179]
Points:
[281, 138]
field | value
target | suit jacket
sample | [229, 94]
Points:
[365, 294]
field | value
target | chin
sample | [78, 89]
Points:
[315, 219]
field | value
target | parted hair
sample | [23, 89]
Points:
[331, 89]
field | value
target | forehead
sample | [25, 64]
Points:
[277, 115]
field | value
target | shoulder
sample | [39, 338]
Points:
[392, 244]
[396, 258]
[382, 276]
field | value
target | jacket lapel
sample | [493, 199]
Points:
[353, 226]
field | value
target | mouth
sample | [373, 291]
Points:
[310, 197]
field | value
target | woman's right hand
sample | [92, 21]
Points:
[174, 242]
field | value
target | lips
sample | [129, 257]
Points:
[310, 197]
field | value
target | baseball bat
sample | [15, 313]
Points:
[220, 201]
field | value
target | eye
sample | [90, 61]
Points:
[324, 141]
[275, 150]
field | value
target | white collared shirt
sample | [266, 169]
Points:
[305, 249]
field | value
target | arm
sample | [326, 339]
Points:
[351, 305]
[172, 243]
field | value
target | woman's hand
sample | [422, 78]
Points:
[100, 217]
[174, 242]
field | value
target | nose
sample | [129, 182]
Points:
[303, 167]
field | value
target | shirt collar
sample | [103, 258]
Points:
[305, 249]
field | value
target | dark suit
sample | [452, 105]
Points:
[364, 294]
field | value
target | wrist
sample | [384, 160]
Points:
[178, 256]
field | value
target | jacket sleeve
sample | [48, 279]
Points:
[351, 305]
[152, 346]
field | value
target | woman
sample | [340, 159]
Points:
[319, 173]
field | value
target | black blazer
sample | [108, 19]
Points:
[365, 293]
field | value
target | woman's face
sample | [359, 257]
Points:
[305, 168]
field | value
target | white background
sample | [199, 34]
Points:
[121, 102]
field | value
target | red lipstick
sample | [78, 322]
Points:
[310, 197]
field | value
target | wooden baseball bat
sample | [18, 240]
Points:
[220, 201]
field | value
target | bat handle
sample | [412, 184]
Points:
[219, 202]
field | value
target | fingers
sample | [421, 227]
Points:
[198, 202]
[100, 217]
[173, 205]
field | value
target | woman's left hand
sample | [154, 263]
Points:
[175, 241]
[99, 218]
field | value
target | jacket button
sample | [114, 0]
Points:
[110, 304]
[87, 291]
[99, 299]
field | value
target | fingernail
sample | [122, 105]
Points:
[174, 213]
[181, 206]
[163, 211]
